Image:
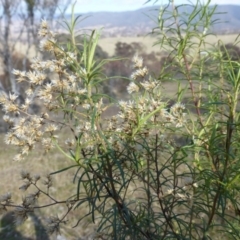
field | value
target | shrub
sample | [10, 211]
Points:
[119, 71]
[136, 179]
[230, 51]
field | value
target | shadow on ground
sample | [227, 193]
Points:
[8, 229]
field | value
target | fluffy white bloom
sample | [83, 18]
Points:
[132, 87]
[138, 61]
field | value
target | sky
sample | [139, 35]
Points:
[83, 6]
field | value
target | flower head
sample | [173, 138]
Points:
[132, 87]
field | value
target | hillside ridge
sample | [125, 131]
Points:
[143, 20]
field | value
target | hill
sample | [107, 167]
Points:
[142, 21]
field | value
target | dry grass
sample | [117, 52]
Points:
[108, 44]
[148, 42]
[38, 163]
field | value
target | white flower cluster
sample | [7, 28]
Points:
[146, 113]
[47, 81]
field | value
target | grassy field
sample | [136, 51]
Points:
[108, 44]
[148, 43]
[39, 163]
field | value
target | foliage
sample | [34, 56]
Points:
[136, 179]
[119, 71]
[230, 51]
[64, 39]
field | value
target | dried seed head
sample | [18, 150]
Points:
[25, 175]
[25, 186]
[53, 225]
[20, 215]
[5, 198]
[36, 178]
[48, 182]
